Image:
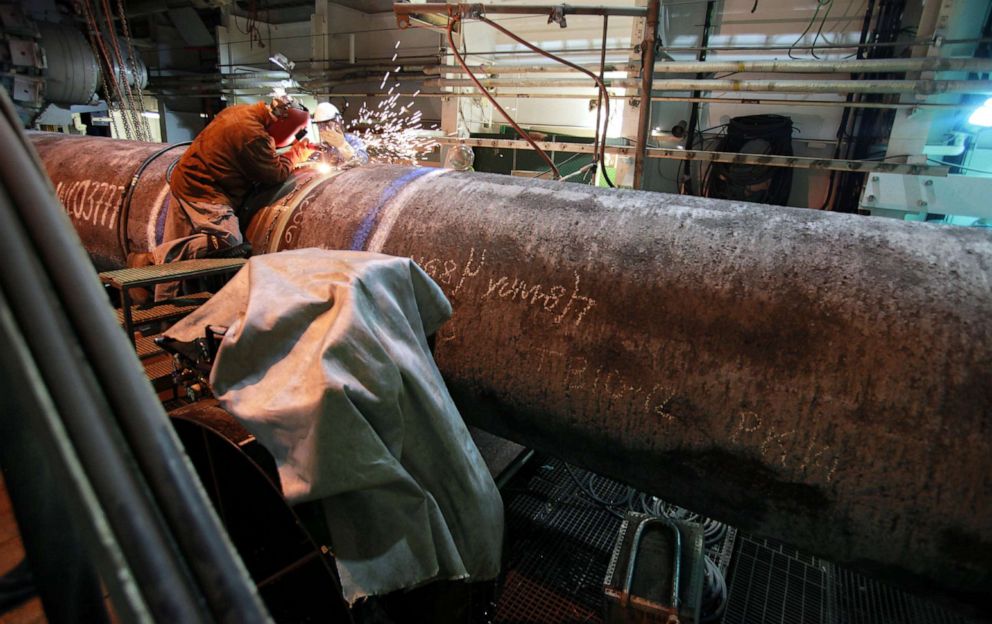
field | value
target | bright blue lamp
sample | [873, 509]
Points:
[982, 115]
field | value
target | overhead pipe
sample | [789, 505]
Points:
[435, 70]
[658, 98]
[853, 66]
[821, 378]
[494, 83]
[921, 87]
[765, 47]
[370, 70]
[261, 93]
[469, 10]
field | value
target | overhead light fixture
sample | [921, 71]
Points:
[982, 115]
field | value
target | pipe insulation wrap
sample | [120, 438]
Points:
[821, 378]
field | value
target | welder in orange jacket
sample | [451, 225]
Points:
[236, 151]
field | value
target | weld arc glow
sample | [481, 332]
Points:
[361, 237]
[982, 115]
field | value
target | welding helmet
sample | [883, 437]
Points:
[290, 121]
[326, 111]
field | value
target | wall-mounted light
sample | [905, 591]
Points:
[982, 115]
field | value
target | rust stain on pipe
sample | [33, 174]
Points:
[821, 378]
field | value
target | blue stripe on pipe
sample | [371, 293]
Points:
[361, 237]
[160, 220]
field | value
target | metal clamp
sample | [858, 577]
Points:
[632, 563]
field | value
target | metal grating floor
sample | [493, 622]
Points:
[860, 600]
[559, 544]
[560, 547]
[775, 584]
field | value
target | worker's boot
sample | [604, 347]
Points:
[238, 251]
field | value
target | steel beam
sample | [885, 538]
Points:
[821, 378]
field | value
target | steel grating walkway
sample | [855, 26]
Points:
[559, 544]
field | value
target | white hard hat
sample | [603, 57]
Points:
[325, 111]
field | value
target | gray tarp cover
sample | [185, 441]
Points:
[326, 362]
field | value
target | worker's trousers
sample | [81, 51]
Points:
[192, 230]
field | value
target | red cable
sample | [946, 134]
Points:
[520, 131]
[599, 84]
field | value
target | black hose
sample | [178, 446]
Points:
[51, 344]
[599, 109]
[686, 188]
[125, 211]
[132, 411]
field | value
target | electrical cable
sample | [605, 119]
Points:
[869, 127]
[715, 590]
[561, 164]
[843, 133]
[523, 133]
[583, 171]
[841, 26]
[957, 166]
[682, 183]
[685, 182]
[819, 31]
[599, 83]
[819, 5]
[125, 210]
[599, 100]
[586, 489]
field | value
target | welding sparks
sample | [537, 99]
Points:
[392, 132]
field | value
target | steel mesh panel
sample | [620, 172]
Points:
[561, 546]
[861, 600]
[560, 542]
[774, 583]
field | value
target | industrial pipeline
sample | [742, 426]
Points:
[820, 378]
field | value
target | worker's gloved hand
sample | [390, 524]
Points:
[345, 151]
[332, 135]
[300, 152]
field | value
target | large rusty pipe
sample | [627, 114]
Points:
[817, 377]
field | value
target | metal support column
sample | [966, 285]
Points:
[647, 81]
